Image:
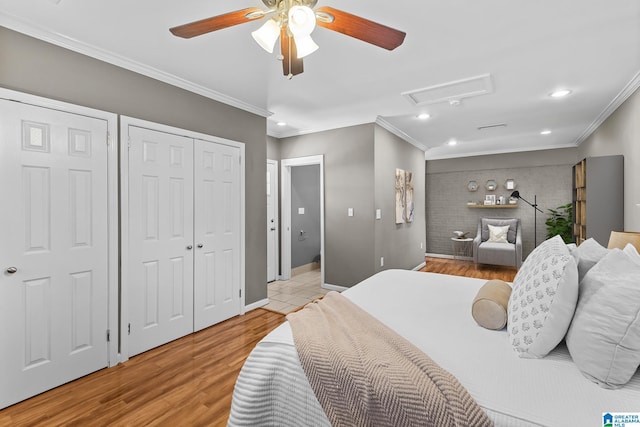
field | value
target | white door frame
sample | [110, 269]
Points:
[276, 217]
[285, 172]
[125, 122]
[112, 200]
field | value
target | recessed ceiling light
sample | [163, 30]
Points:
[281, 124]
[545, 132]
[424, 116]
[452, 142]
[560, 93]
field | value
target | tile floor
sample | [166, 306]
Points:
[286, 296]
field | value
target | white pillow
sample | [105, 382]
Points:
[587, 255]
[632, 253]
[498, 234]
[544, 297]
[604, 337]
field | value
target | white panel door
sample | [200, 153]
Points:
[272, 226]
[160, 238]
[217, 233]
[53, 248]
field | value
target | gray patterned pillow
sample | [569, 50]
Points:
[544, 297]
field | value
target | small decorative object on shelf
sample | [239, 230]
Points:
[510, 184]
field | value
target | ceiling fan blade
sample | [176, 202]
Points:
[360, 28]
[291, 64]
[218, 22]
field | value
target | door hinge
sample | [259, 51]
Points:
[129, 329]
[128, 142]
[108, 335]
[240, 292]
[108, 138]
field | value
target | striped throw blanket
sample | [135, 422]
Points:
[365, 374]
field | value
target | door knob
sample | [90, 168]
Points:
[200, 245]
[189, 247]
[273, 229]
[11, 270]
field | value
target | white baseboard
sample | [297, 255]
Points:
[333, 287]
[419, 266]
[465, 258]
[439, 256]
[256, 304]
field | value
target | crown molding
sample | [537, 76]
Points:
[444, 156]
[400, 134]
[25, 27]
[622, 96]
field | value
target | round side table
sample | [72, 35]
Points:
[462, 247]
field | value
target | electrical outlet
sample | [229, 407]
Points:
[381, 261]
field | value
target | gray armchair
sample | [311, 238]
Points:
[486, 252]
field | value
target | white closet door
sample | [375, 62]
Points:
[53, 249]
[217, 233]
[160, 238]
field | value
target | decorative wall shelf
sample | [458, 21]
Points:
[492, 206]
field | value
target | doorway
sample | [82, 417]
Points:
[293, 201]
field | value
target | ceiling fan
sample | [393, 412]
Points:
[293, 21]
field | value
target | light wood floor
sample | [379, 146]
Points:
[188, 382]
[469, 269]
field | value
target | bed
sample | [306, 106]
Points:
[433, 311]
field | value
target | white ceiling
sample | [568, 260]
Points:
[529, 48]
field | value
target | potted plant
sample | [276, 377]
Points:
[560, 222]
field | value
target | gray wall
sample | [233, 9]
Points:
[620, 134]
[447, 193]
[399, 244]
[305, 228]
[33, 66]
[273, 149]
[348, 183]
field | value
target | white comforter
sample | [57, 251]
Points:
[434, 312]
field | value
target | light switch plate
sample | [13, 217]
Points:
[350, 211]
[300, 211]
[378, 214]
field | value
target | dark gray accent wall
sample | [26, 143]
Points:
[348, 183]
[447, 196]
[36, 67]
[399, 244]
[305, 228]
[620, 134]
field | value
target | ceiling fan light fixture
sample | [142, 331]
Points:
[305, 46]
[267, 35]
[302, 21]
